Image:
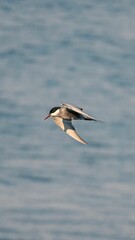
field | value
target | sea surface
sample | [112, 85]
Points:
[80, 52]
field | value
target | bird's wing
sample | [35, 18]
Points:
[78, 110]
[70, 106]
[66, 125]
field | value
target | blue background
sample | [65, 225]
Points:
[81, 52]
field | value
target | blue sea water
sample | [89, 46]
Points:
[80, 52]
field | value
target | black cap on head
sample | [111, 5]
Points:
[54, 109]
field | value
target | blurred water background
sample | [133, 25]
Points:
[81, 52]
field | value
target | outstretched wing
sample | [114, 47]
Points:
[66, 125]
[78, 110]
[70, 106]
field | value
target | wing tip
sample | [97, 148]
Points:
[100, 121]
[83, 142]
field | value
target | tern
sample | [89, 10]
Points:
[64, 115]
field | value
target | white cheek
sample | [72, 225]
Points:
[55, 113]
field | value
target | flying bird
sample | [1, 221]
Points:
[64, 115]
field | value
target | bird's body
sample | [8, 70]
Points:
[64, 115]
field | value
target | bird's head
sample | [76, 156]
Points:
[53, 112]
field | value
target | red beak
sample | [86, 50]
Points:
[47, 117]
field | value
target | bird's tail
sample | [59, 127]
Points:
[92, 119]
